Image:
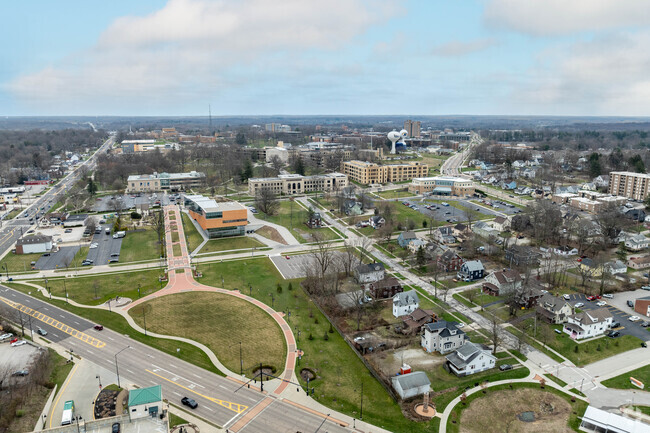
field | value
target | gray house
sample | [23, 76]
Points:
[405, 303]
[553, 308]
[470, 358]
[411, 384]
[370, 273]
[442, 337]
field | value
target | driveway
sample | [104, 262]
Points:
[103, 204]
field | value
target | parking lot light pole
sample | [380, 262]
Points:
[117, 371]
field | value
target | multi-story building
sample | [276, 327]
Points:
[160, 181]
[135, 146]
[217, 219]
[412, 128]
[629, 184]
[297, 184]
[442, 185]
[367, 173]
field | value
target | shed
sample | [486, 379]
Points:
[411, 384]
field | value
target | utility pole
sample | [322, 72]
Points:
[261, 378]
[241, 361]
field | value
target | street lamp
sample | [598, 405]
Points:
[4, 265]
[117, 371]
[100, 381]
[78, 418]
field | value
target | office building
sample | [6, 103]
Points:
[629, 184]
[218, 220]
[164, 181]
[289, 184]
[442, 185]
[413, 128]
[367, 173]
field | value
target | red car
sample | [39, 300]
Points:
[287, 257]
[591, 298]
[14, 340]
[599, 297]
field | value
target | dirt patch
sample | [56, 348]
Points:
[271, 233]
[499, 412]
[418, 359]
[307, 374]
[267, 371]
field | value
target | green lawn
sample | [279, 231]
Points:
[12, 214]
[79, 257]
[257, 272]
[83, 289]
[230, 322]
[293, 216]
[402, 214]
[192, 235]
[395, 193]
[176, 250]
[234, 243]
[140, 245]
[175, 420]
[623, 381]
[18, 262]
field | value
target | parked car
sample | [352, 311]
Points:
[41, 331]
[601, 303]
[630, 303]
[18, 343]
[578, 305]
[99, 327]
[359, 339]
[645, 287]
[613, 334]
[21, 373]
[115, 428]
[504, 367]
[633, 318]
[557, 331]
[67, 231]
[189, 402]
[645, 324]
[615, 324]
[608, 296]
[566, 297]
[591, 298]
[3, 337]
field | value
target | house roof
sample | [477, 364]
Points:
[551, 303]
[444, 328]
[408, 235]
[34, 239]
[460, 227]
[449, 255]
[419, 314]
[500, 220]
[370, 267]
[465, 354]
[608, 421]
[148, 395]
[592, 316]
[386, 282]
[507, 276]
[406, 298]
[412, 380]
[474, 265]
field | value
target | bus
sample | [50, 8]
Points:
[68, 413]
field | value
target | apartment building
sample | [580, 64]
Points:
[289, 184]
[442, 185]
[413, 128]
[629, 184]
[217, 219]
[367, 173]
[164, 181]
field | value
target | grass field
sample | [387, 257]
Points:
[230, 321]
[176, 250]
[497, 409]
[140, 245]
[233, 243]
[192, 235]
[296, 223]
[395, 193]
[18, 262]
[83, 289]
[259, 273]
[623, 381]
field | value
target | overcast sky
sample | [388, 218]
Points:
[154, 57]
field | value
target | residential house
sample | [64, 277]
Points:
[411, 384]
[442, 337]
[470, 271]
[529, 295]
[589, 323]
[523, 190]
[601, 181]
[449, 261]
[554, 309]
[501, 223]
[405, 303]
[370, 273]
[520, 255]
[590, 267]
[642, 262]
[352, 207]
[413, 322]
[485, 230]
[529, 173]
[460, 230]
[405, 237]
[416, 244]
[444, 235]
[615, 267]
[636, 242]
[470, 358]
[383, 289]
[635, 214]
[518, 164]
[376, 221]
[589, 186]
[501, 283]
[509, 185]
[145, 402]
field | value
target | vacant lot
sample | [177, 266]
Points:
[497, 412]
[140, 245]
[395, 193]
[293, 216]
[18, 262]
[226, 244]
[220, 322]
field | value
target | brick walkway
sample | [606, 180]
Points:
[181, 279]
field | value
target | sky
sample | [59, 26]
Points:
[302, 57]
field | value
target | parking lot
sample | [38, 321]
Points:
[440, 212]
[106, 246]
[58, 260]
[129, 201]
[16, 358]
[296, 266]
[620, 311]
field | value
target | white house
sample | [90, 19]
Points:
[370, 273]
[442, 337]
[405, 303]
[470, 358]
[636, 242]
[411, 384]
[501, 223]
[416, 244]
[615, 267]
[145, 402]
[588, 324]
[33, 244]
[501, 283]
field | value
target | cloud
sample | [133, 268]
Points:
[193, 49]
[562, 17]
[604, 76]
[461, 48]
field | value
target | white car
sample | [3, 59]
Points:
[631, 319]
[3, 337]
[93, 246]
[460, 325]
[358, 339]
[601, 303]
[578, 305]
[21, 342]
[567, 297]
[608, 296]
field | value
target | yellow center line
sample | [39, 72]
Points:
[65, 385]
[235, 407]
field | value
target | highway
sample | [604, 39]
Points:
[221, 401]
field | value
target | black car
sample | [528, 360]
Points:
[616, 324]
[116, 427]
[189, 402]
[613, 334]
[630, 304]
[504, 367]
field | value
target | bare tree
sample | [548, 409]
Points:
[611, 223]
[349, 257]
[266, 201]
[495, 332]
[472, 215]
[357, 299]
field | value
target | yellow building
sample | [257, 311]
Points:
[366, 173]
[217, 219]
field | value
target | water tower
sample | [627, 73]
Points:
[397, 137]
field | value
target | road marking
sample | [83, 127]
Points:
[235, 407]
[205, 407]
[196, 375]
[56, 324]
[130, 371]
[173, 366]
[112, 339]
[76, 322]
[174, 392]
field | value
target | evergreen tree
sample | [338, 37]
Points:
[92, 187]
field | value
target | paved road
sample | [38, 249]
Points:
[145, 366]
